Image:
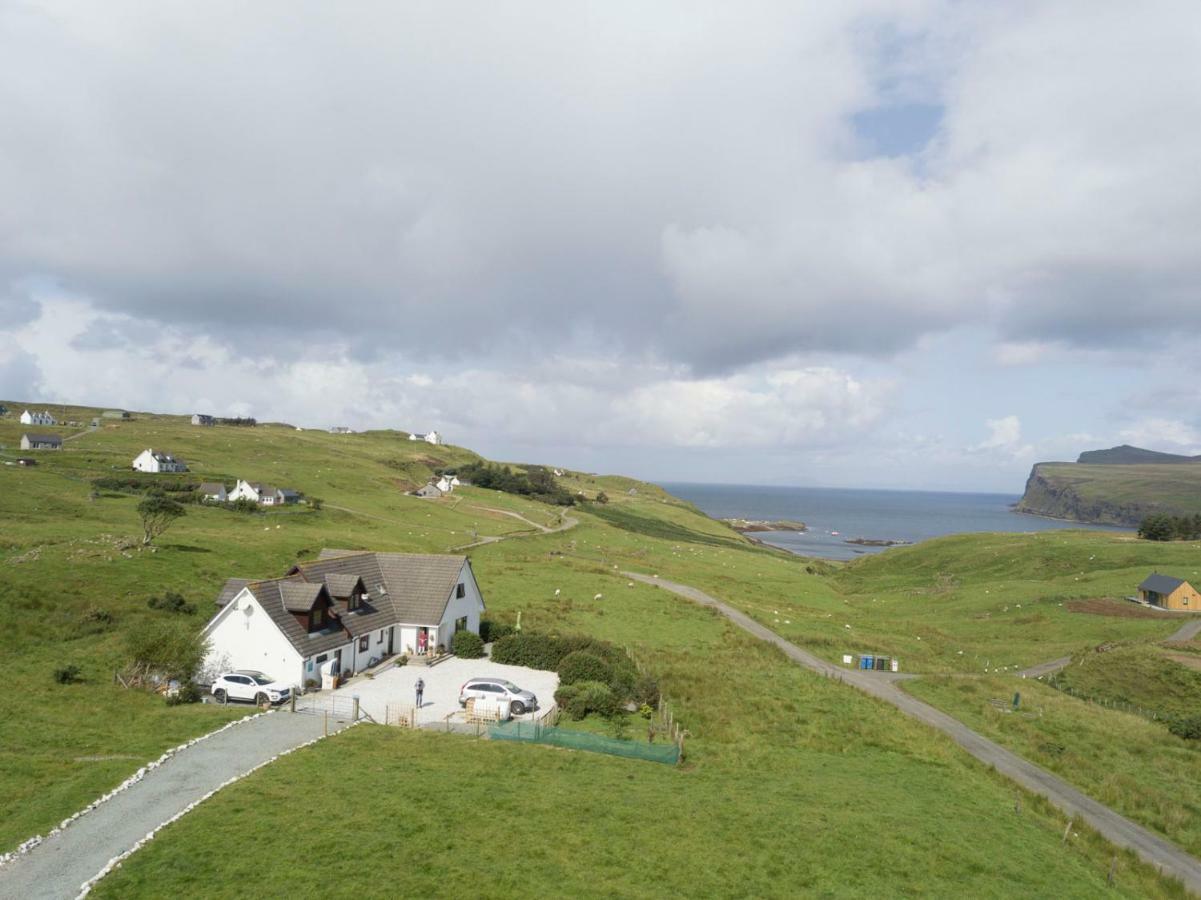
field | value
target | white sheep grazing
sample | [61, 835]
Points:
[598, 596]
[556, 592]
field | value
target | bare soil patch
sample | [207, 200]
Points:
[1121, 609]
[1186, 659]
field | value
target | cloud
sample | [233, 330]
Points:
[1004, 439]
[1158, 433]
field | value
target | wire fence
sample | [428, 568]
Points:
[1108, 702]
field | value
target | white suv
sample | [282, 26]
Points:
[245, 684]
[497, 689]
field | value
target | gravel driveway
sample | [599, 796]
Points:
[56, 868]
[395, 688]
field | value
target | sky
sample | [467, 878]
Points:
[912, 244]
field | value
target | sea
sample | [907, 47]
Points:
[838, 515]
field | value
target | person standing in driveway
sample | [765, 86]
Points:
[420, 690]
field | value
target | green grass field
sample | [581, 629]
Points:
[769, 743]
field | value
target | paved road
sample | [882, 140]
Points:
[1119, 830]
[57, 867]
[1187, 632]
[1045, 668]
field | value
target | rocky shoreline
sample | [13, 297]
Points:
[751, 525]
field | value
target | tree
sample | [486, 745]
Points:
[166, 648]
[157, 512]
[602, 497]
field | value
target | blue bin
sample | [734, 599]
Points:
[866, 662]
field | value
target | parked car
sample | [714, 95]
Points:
[497, 688]
[245, 684]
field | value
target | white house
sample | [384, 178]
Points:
[447, 483]
[344, 612]
[38, 418]
[340, 429]
[156, 461]
[263, 494]
[431, 438]
[213, 492]
[202, 419]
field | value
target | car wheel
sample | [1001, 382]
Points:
[517, 708]
[261, 699]
[221, 696]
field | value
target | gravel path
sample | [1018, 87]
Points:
[1119, 830]
[1187, 631]
[1046, 668]
[56, 868]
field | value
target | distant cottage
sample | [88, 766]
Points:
[263, 494]
[116, 414]
[38, 418]
[1167, 592]
[431, 437]
[41, 442]
[340, 429]
[157, 462]
[202, 419]
[213, 492]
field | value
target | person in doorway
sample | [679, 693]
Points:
[420, 691]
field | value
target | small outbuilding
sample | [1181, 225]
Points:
[1167, 592]
[41, 442]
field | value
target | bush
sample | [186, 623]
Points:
[584, 697]
[493, 631]
[67, 675]
[1187, 727]
[535, 651]
[188, 692]
[646, 691]
[467, 645]
[173, 603]
[580, 665]
[170, 649]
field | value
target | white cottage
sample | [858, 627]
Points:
[431, 437]
[213, 492]
[344, 612]
[38, 418]
[156, 462]
[263, 494]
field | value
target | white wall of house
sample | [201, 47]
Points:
[471, 605]
[243, 490]
[145, 462]
[241, 640]
[38, 418]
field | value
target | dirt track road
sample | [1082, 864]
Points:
[1119, 830]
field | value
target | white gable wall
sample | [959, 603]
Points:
[471, 605]
[145, 462]
[241, 641]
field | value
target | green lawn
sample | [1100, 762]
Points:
[1123, 760]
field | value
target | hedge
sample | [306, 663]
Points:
[580, 665]
[466, 645]
[585, 697]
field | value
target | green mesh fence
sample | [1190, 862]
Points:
[533, 733]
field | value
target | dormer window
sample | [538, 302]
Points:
[317, 618]
[353, 601]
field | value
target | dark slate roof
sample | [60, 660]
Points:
[299, 596]
[419, 585]
[232, 588]
[377, 611]
[1160, 584]
[43, 438]
[342, 584]
[276, 594]
[211, 487]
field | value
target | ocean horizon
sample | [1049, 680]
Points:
[836, 516]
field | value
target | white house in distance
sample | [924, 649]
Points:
[431, 437]
[342, 613]
[213, 492]
[202, 419]
[263, 494]
[156, 461]
[38, 418]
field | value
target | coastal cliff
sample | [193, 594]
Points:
[1111, 494]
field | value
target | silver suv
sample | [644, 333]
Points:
[497, 689]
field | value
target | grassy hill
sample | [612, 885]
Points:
[1118, 494]
[787, 772]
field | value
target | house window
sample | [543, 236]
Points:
[460, 591]
[380, 640]
[316, 619]
[308, 666]
[353, 602]
[322, 658]
[461, 624]
[364, 643]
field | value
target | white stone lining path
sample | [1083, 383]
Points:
[89, 844]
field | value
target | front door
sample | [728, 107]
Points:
[391, 636]
[338, 661]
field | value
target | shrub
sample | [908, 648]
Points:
[535, 651]
[188, 692]
[166, 648]
[584, 697]
[67, 674]
[1187, 727]
[467, 645]
[493, 631]
[580, 665]
[173, 603]
[646, 691]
